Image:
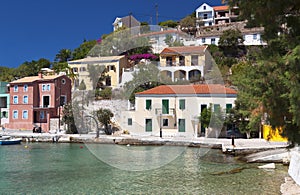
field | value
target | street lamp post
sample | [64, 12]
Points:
[160, 126]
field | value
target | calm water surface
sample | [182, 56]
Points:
[42, 168]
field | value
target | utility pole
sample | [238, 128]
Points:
[130, 14]
[156, 10]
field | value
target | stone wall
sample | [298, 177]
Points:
[294, 168]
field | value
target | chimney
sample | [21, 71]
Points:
[40, 75]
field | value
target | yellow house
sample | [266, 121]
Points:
[184, 62]
[113, 64]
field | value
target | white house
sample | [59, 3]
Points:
[212, 21]
[173, 110]
[205, 13]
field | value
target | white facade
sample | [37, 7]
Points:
[173, 114]
[253, 38]
[206, 14]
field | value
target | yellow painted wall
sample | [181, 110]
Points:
[273, 135]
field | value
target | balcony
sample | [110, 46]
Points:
[167, 112]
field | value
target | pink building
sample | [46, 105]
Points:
[36, 100]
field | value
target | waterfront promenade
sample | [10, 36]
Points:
[220, 143]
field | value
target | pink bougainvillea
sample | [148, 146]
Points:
[143, 56]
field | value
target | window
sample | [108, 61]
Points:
[129, 121]
[217, 108]
[44, 87]
[204, 7]
[204, 16]
[63, 100]
[75, 70]
[15, 100]
[182, 104]
[228, 107]
[25, 99]
[255, 36]
[111, 68]
[181, 60]
[108, 81]
[42, 115]
[25, 88]
[165, 122]
[15, 88]
[169, 61]
[82, 69]
[181, 125]
[148, 104]
[148, 125]
[25, 114]
[4, 114]
[203, 40]
[48, 87]
[165, 106]
[46, 101]
[15, 114]
[213, 41]
[195, 60]
[203, 107]
[63, 81]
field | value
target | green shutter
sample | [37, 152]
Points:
[182, 104]
[217, 107]
[129, 121]
[228, 107]
[165, 106]
[181, 125]
[148, 104]
[148, 125]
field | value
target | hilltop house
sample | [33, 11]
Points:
[173, 110]
[37, 101]
[213, 20]
[213, 15]
[113, 64]
[127, 21]
[4, 103]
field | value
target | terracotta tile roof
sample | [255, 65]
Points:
[184, 50]
[221, 8]
[189, 89]
[35, 78]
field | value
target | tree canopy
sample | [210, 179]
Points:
[269, 84]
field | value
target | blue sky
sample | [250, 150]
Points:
[34, 29]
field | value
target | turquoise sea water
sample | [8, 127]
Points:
[44, 168]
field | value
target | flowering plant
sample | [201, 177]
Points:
[143, 56]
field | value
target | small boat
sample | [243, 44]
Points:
[10, 141]
[3, 137]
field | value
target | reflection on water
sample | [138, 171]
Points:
[73, 169]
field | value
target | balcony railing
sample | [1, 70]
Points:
[160, 111]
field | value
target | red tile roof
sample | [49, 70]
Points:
[221, 8]
[184, 50]
[189, 89]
